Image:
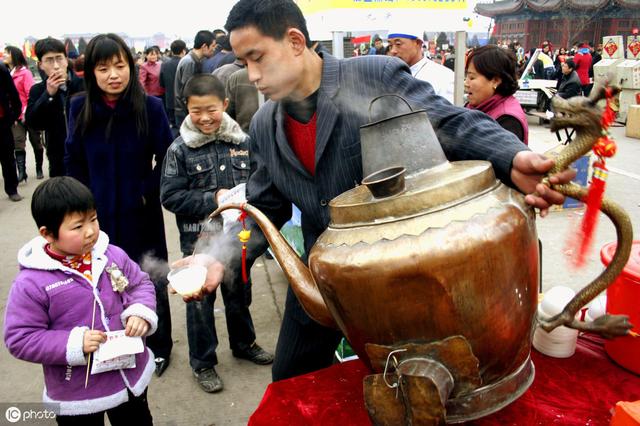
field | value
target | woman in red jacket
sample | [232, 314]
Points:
[149, 75]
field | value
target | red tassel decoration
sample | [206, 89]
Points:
[245, 278]
[604, 147]
[593, 201]
[244, 236]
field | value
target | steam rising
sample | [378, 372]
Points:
[213, 242]
[222, 246]
[156, 268]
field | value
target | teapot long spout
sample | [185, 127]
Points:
[297, 273]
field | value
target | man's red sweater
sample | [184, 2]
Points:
[302, 139]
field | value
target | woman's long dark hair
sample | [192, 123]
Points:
[103, 48]
[17, 58]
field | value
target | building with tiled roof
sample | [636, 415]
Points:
[563, 22]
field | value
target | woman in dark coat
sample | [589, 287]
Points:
[117, 140]
[569, 84]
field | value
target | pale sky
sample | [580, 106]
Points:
[134, 17]
[180, 18]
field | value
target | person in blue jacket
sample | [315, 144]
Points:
[118, 137]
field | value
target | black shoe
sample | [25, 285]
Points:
[254, 354]
[208, 380]
[38, 155]
[161, 365]
[15, 197]
[21, 158]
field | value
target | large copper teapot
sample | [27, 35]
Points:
[427, 260]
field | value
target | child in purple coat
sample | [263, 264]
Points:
[64, 273]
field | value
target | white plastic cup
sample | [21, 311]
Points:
[556, 299]
[562, 341]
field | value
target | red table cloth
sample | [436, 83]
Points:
[580, 390]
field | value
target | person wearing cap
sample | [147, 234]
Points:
[408, 47]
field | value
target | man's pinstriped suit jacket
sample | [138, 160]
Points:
[278, 178]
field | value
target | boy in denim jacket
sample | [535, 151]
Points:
[210, 156]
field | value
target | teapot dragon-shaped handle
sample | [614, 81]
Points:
[583, 115]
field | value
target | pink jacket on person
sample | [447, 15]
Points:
[23, 80]
[149, 77]
[498, 106]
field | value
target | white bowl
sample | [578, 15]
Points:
[555, 299]
[188, 279]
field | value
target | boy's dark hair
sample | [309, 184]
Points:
[178, 46]
[204, 85]
[47, 45]
[103, 48]
[271, 17]
[203, 37]
[57, 197]
[17, 58]
[493, 61]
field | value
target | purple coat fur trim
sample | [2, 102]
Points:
[47, 306]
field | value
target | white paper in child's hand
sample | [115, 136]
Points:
[118, 344]
[116, 353]
[117, 363]
[237, 194]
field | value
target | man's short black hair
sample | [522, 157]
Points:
[570, 64]
[178, 46]
[224, 43]
[271, 17]
[47, 45]
[204, 85]
[57, 197]
[217, 32]
[203, 37]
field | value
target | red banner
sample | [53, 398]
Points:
[361, 39]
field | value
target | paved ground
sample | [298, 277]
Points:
[175, 399]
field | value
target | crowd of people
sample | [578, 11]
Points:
[180, 131]
[549, 62]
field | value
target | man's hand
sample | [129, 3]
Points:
[54, 81]
[215, 274]
[527, 172]
[92, 340]
[136, 327]
[219, 194]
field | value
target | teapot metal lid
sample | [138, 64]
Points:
[399, 145]
[431, 190]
